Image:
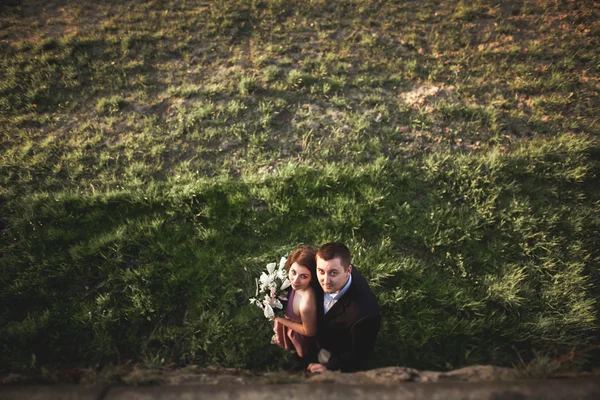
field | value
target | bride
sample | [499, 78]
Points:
[296, 331]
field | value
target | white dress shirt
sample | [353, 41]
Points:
[330, 299]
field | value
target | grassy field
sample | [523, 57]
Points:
[155, 155]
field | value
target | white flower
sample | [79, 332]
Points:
[281, 274]
[264, 278]
[286, 284]
[271, 268]
[272, 302]
[266, 281]
[276, 303]
[269, 312]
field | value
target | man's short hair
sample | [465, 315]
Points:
[332, 250]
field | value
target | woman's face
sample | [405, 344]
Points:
[299, 276]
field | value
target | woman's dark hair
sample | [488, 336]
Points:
[305, 256]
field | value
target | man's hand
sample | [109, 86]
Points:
[316, 368]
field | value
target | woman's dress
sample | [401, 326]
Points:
[289, 339]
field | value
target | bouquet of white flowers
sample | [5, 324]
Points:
[271, 288]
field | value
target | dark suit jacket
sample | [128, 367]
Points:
[350, 327]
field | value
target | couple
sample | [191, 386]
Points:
[332, 317]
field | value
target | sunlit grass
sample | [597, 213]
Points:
[154, 155]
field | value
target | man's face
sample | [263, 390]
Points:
[331, 274]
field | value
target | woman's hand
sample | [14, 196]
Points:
[279, 319]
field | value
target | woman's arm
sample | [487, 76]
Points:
[308, 314]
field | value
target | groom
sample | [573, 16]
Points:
[348, 317]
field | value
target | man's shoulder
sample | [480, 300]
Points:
[364, 299]
[359, 282]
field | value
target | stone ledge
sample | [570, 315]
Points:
[394, 375]
[228, 376]
[582, 389]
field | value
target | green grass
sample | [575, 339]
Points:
[154, 156]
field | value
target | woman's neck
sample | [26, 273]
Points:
[302, 291]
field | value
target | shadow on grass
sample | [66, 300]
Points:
[469, 256]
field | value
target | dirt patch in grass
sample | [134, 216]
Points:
[423, 94]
